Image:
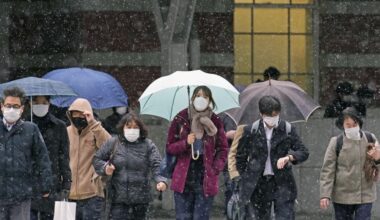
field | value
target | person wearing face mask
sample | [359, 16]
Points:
[196, 137]
[111, 121]
[56, 139]
[86, 136]
[342, 180]
[26, 170]
[344, 97]
[135, 160]
[259, 163]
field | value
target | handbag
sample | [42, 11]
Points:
[64, 210]
[167, 165]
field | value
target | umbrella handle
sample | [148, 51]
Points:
[192, 153]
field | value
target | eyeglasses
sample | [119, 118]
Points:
[15, 106]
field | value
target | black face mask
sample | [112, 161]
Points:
[79, 123]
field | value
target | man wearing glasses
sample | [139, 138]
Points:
[24, 161]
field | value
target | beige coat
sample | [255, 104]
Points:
[82, 149]
[344, 182]
[232, 170]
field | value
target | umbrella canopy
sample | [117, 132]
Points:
[99, 88]
[296, 105]
[168, 95]
[34, 86]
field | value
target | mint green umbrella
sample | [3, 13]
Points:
[168, 95]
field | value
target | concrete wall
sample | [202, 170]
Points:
[315, 134]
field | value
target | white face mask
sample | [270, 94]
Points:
[352, 133]
[40, 110]
[200, 103]
[271, 121]
[121, 110]
[131, 134]
[11, 115]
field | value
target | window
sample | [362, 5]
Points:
[275, 33]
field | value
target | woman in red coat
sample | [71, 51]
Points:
[197, 138]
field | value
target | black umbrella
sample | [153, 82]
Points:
[296, 104]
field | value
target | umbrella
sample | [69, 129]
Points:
[34, 86]
[99, 88]
[296, 104]
[168, 95]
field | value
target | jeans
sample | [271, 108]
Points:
[19, 211]
[352, 212]
[89, 209]
[121, 211]
[192, 206]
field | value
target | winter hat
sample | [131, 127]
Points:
[352, 113]
[344, 88]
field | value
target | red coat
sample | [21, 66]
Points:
[214, 154]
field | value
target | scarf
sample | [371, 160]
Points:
[201, 121]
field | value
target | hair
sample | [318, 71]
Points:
[46, 96]
[14, 92]
[269, 104]
[271, 72]
[206, 91]
[129, 117]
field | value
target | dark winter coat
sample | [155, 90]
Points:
[136, 163]
[110, 123]
[256, 150]
[56, 139]
[24, 163]
[214, 157]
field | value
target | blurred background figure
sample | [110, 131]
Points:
[270, 73]
[365, 95]
[344, 98]
[111, 121]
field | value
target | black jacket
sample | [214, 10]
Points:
[56, 139]
[135, 164]
[24, 162]
[255, 152]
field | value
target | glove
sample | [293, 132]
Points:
[65, 194]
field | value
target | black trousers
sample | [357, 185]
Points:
[264, 195]
[121, 211]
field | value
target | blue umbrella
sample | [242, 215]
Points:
[34, 86]
[99, 88]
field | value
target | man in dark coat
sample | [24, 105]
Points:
[24, 160]
[260, 160]
[56, 139]
[344, 98]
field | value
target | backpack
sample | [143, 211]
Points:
[339, 141]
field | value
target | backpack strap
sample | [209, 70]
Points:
[339, 141]
[288, 128]
[369, 137]
[339, 144]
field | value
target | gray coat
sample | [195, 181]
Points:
[135, 164]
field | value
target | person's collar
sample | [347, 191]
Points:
[8, 125]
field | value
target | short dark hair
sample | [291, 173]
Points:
[14, 92]
[271, 72]
[129, 117]
[206, 91]
[269, 104]
[46, 96]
